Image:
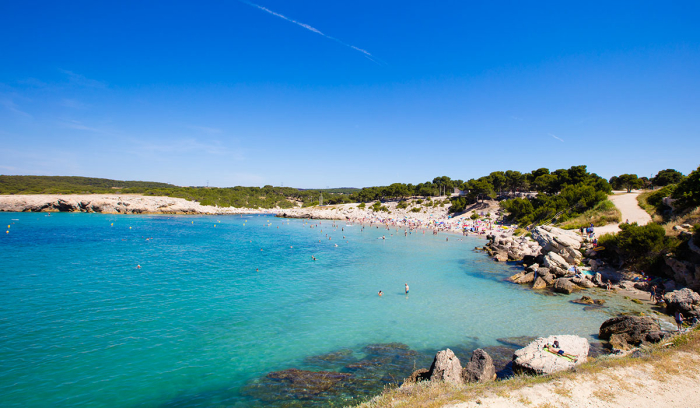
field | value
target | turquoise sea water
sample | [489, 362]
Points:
[197, 325]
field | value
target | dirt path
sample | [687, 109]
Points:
[630, 209]
[672, 383]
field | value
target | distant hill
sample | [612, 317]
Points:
[72, 185]
[242, 197]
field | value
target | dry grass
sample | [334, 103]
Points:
[650, 209]
[562, 391]
[664, 362]
[602, 214]
[604, 395]
[691, 217]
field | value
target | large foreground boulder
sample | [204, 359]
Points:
[480, 368]
[685, 301]
[536, 359]
[623, 331]
[446, 367]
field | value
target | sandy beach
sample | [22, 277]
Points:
[435, 218]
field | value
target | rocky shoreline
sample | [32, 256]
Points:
[114, 204]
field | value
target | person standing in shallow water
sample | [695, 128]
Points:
[679, 320]
[406, 285]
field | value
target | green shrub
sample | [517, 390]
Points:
[402, 205]
[416, 210]
[362, 206]
[474, 216]
[688, 191]
[640, 246]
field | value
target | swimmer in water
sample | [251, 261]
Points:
[381, 293]
[138, 266]
[406, 285]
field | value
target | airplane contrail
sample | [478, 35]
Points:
[558, 138]
[312, 29]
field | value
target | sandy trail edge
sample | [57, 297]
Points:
[639, 386]
[630, 209]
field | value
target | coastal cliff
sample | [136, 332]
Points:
[113, 204]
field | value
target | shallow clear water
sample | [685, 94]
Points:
[81, 326]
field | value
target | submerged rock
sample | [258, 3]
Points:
[480, 368]
[446, 367]
[358, 379]
[536, 358]
[587, 300]
[517, 342]
[301, 384]
[594, 307]
[331, 359]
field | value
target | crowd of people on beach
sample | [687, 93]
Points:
[465, 226]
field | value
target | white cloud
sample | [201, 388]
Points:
[76, 125]
[10, 105]
[72, 103]
[81, 80]
[205, 129]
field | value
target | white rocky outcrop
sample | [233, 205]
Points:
[556, 263]
[562, 242]
[113, 204]
[536, 359]
[513, 248]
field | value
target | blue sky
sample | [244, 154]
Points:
[346, 93]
